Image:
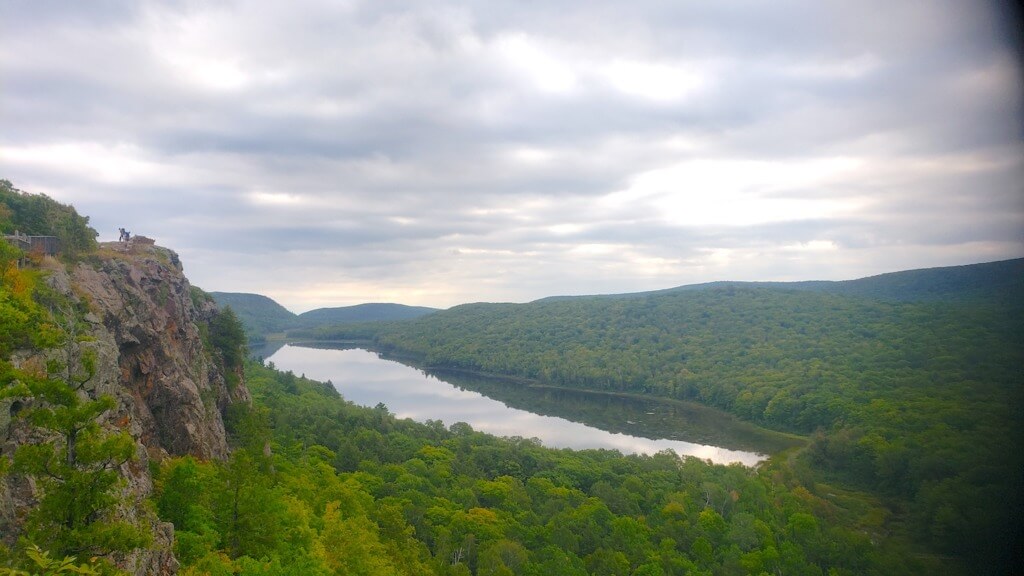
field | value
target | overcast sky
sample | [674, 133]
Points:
[327, 153]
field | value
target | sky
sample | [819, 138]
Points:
[334, 152]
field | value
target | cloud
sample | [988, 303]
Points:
[340, 152]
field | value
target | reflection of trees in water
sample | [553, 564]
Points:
[264, 350]
[650, 418]
[646, 418]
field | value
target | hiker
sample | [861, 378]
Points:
[121, 237]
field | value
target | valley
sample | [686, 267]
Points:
[870, 427]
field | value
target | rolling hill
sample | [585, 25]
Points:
[262, 315]
[259, 314]
[949, 283]
[361, 313]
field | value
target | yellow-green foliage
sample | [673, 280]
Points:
[43, 565]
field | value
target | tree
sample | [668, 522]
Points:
[227, 336]
[76, 469]
[247, 509]
[352, 545]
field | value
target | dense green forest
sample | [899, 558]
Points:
[919, 402]
[317, 485]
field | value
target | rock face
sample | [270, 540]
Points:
[144, 323]
[178, 394]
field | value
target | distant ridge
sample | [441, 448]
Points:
[949, 282]
[1002, 279]
[952, 283]
[262, 315]
[361, 313]
[259, 314]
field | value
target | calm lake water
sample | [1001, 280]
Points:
[366, 379]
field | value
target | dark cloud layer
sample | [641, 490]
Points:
[331, 153]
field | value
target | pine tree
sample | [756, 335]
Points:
[77, 467]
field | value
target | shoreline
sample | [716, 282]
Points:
[780, 440]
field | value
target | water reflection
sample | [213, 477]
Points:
[366, 379]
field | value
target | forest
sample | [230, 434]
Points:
[317, 485]
[915, 400]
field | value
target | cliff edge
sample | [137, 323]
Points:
[147, 329]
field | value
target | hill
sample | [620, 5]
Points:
[949, 283]
[259, 314]
[262, 315]
[109, 361]
[361, 313]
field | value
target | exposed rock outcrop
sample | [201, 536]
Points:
[148, 308]
[145, 325]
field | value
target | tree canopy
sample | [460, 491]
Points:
[40, 215]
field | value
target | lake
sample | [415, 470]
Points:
[558, 417]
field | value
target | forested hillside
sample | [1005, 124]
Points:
[361, 313]
[260, 315]
[919, 402]
[991, 280]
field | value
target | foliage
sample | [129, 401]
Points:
[76, 469]
[227, 337]
[46, 566]
[23, 323]
[351, 490]
[361, 313]
[988, 281]
[73, 458]
[198, 296]
[260, 315]
[38, 214]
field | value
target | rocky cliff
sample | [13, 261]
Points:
[146, 326]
